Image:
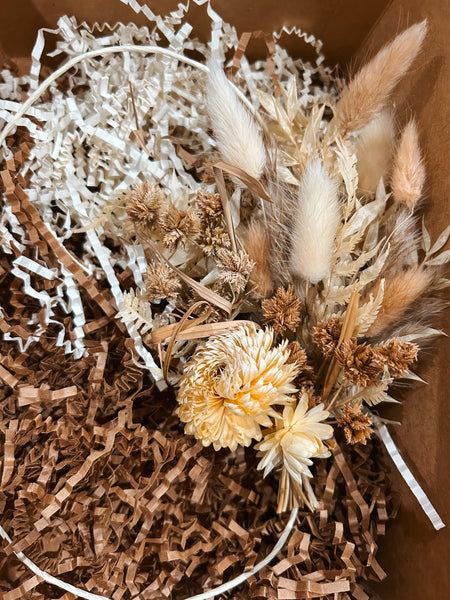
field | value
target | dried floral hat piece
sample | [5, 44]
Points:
[231, 384]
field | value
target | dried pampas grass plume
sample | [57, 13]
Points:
[315, 225]
[369, 90]
[400, 292]
[237, 135]
[374, 150]
[408, 173]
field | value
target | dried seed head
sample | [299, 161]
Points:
[398, 355]
[305, 375]
[282, 311]
[356, 425]
[178, 225]
[360, 363]
[326, 335]
[160, 283]
[235, 268]
[144, 205]
[209, 207]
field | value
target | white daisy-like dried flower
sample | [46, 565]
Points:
[296, 439]
[230, 385]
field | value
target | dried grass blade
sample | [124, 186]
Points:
[253, 184]
[220, 182]
[162, 334]
[348, 327]
[173, 339]
[200, 331]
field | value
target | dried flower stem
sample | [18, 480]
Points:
[220, 182]
[348, 327]
[179, 327]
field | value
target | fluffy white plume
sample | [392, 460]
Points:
[236, 132]
[316, 223]
[374, 148]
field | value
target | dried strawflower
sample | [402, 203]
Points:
[398, 355]
[356, 425]
[144, 205]
[235, 268]
[360, 363]
[178, 225]
[282, 311]
[326, 335]
[160, 283]
[230, 385]
[296, 439]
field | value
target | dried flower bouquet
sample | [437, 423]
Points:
[315, 291]
[266, 238]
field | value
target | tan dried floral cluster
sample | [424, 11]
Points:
[235, 268]
[212, 235]
[144, 204]
[398, 355]
[178, 226]
[356, 425]
[360, 363]
[161, 283]
[282, 311]
[326, 335]
[318, 251]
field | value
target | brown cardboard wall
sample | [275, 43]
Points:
[414, 555]
[341, 24]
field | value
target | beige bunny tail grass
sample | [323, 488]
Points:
[257, 246]
[400, 292]
[369, 90]
[408, 173]
[374, 147]
[315, 224]
[237, 135]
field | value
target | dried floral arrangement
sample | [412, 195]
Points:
[241, 262]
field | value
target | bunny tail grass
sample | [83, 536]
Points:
[238, 138]
[369, 90]
[374, 147]
[316, 223]
[408, 173]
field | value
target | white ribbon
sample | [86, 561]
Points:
[405, 472]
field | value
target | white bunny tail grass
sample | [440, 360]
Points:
[316, 223]
[236, 132]
[408, 173]
[374, 147]
[368, 91]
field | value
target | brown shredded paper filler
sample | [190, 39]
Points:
[100, 487]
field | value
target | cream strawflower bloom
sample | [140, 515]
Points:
[230, 385]
[296, 439]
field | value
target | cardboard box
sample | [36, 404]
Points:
[413, 554]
